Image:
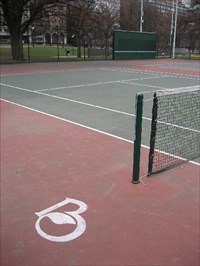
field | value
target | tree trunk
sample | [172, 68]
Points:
[16, 46]
[79, 47]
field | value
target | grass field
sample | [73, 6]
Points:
[41, 53]
[189, 56]
[48, 53]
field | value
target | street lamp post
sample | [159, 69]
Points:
[28, 45]
[58, 43]
[175, 26]
[141, 14]
[33, 36]
[172, 29]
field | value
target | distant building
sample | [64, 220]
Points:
[165, 6]
[4, 35]
[50, 30]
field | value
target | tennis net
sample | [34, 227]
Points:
[175, 128]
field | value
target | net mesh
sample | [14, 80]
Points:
[175, 128]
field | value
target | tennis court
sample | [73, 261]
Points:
[67, 132]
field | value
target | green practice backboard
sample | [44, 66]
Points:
[134, 45]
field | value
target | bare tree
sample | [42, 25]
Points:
[151, 18]
[189, 25]
[154, 20]
[78, 18]
[19, 15]
[106, 17]
[129, 15]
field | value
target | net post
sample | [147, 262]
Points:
[138, 137]
[153, 133]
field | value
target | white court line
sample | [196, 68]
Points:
[152, 72]
[47, 72]
[109, 82]
[74, 70]
[72, 86]
[97, 84]
[81, 125]
[84, 103]
[126, 70]
[56, 88]
[71, 122]
[143, 85]
[99, 107]
[18, 88]
[69, 100]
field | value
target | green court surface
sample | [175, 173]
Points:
[67, 139]
[101, 97]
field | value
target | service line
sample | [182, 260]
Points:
[99, 83]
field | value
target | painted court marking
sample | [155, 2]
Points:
[99, 107]
[153, 72]
[60, 218]
[45, 72]
[68, 99]
[176, 66]
[84, 126]
[97, 84]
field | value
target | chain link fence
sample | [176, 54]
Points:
[41, 49]
[55, 48]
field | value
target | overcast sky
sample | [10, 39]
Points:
[186, 2]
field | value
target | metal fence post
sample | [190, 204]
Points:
[138, 137]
